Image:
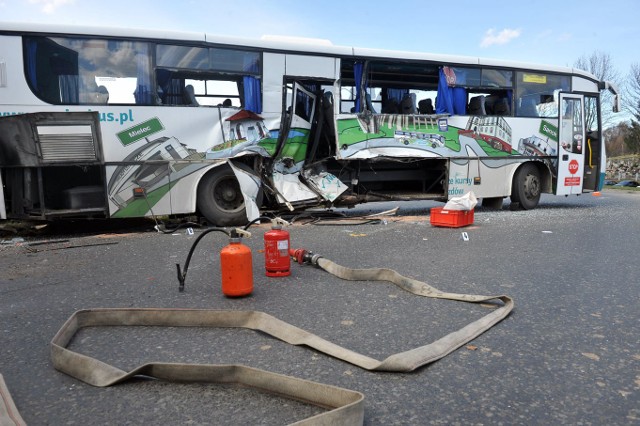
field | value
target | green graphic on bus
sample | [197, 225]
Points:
[549, 130]
[140, 131]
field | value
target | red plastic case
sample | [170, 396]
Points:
[450, 218]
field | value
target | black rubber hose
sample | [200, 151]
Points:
[255, 221]
[182, 274]
[165, 230]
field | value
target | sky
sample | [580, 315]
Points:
[555, 32]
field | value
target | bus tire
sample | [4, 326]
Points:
[526, 186]
[220, 199]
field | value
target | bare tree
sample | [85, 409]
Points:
[632, 105]
[600, 65]
[614, 137]
[632, 91]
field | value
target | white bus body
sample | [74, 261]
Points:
[311, 124]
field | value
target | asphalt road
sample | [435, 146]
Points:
[569, 353]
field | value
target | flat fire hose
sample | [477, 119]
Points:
[9, 415]
[346, 406]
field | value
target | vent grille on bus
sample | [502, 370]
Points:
[67, 147]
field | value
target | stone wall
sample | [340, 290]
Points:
[626, 168]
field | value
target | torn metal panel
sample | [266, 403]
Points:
[373, 151]
[326, 184]
[250, 187]
[290, 189]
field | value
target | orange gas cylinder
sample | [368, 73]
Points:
[276, 252]
[237, 269]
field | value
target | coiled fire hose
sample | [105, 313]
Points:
[414, 358]
[346, 406]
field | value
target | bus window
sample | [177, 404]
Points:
[219, 77]
[592, 118]
[216, 92]
[537, 94]
[70, 71]
[489, 91]
[347, 99]
[210, 59]
[387, 85]
[482, 77]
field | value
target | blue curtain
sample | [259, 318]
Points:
[397, 94]
[450, 100]
[358, 70]
[252, 98]
[444, 99]
[459, 99]
[251, 85]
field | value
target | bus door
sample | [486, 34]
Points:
[594, 167]
[572, 144]
[293, 142]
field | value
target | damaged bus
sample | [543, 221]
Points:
[122, 123]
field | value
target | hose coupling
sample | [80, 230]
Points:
[303, 256]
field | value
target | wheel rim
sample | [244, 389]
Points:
[531, 187]
[227, 195]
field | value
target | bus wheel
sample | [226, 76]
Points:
[526, 186]
[220, 199]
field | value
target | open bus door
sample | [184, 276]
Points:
[594, 166]
[572, 144]
[293, 143]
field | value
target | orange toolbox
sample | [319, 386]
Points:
[450, 218]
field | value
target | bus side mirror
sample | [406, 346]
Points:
[616, 103]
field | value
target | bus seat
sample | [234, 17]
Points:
[102, 95]
[489, 102]
[189, 96]
[408, 104]
[476, 106]
[328, 97]
[425, 106]
[390, 106]
[501, 107]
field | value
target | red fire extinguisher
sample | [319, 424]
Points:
[276, 252]
[237, 268]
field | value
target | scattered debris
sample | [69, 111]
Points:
[71, 246]
[591, 356]
[13, 242]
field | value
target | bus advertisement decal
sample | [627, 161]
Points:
[549, 130]
[140, 131]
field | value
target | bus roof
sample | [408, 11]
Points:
[278, 43]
